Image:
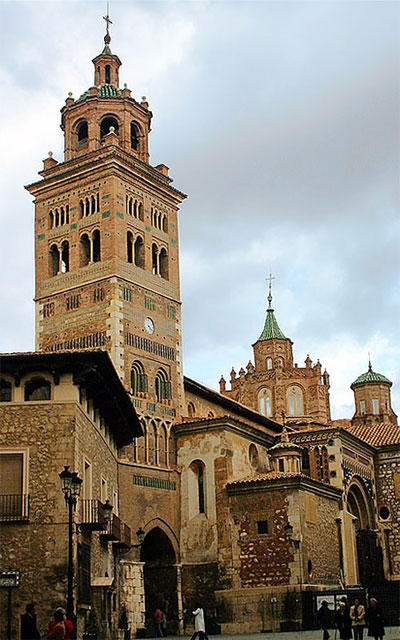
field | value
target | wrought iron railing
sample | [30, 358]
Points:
[14, 508]
[92, 514]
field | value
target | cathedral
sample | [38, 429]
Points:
[249, 501]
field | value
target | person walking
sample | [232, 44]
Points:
[69, 627]
[324, 619]
[357, 615]
[199, 625]
[29, 630]
[158, 619]
[374, 618]
[343, 621]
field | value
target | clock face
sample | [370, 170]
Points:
[149, 325]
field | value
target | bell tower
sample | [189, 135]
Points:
[106, 244]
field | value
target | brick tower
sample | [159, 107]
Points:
[372, 399]
[106, 244]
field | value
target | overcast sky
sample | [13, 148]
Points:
[281, 122]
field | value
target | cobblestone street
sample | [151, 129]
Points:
[391, 633]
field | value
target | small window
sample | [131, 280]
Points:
[309, 568]
[82, 133]
[262, 527]
[384, 513]
[375, 406]
[106, 123]
[14, 503]
[362, 407]
[281, 464]
[253, 456]
[269, 363]
[37, 389]
[305, 459]
[134, 137]
[5, 391]
[108, 74]
[191, 410]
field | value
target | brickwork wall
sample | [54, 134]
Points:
[388, 495]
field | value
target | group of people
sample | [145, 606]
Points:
[59, 628]
[351, 622]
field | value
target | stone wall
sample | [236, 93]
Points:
[388, 494]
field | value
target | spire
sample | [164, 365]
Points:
[107, 37]
[106, 64]
[271, 327]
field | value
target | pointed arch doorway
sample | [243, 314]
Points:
[160, 573]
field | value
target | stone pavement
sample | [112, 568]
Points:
[392, 633]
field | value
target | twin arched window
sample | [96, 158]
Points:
[163, 386]
[138, 379]
[265, 402]
[135, 250]
[159, 262]
[90, 248]
[37, 389]
[59, 258]
[152, 447]
[294, 401]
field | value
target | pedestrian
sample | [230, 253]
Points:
[324, 619]
[69, 627]
[199, 626]
[57, 626]
[158, 619]
[29, 630]
[357, 615]
[343, 621]
[374, 618]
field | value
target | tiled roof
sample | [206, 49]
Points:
[271, 328]
[377, 435]
[269, 476]
[370, 376]
[105, 91]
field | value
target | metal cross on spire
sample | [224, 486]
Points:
[107, 18]
[269, 298]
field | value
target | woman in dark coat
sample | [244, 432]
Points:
[374, 618]
[343, 622]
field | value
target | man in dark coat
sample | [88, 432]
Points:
[324, 618]
[374, 617]
[29, 630]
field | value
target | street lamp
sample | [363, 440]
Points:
[71, 488]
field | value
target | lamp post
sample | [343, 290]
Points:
[71, 488]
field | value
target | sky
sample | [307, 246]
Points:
[281, 122]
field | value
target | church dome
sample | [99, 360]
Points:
[370, 376]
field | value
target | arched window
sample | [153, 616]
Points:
[129, 247]
[138, 379]
[96, 245]
[87, 207]
[253, 456]
[197, 468]
[93, 204]
[84, 250]
[294, 399]
[164, 264]
[130, 206]
[269, 363]
[56, 218]
[62, 216]
[162, 446]
[265, 402]
[164, 224]
[191, 410]
[64, 257]
[154, 259]
[140, 211]
[105, 125]
[5, 390]
[139, 252]
[280, 360]
[67, 214]
[37, 389]
[152, 440]
[163, 386]
[81, 208]
[134, 136]
[107, 70]
[54, 260]
[51, 220]
[134, 209]
[141, 444]
[82, 133]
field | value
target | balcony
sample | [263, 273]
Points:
[14, 508]
[113, 530]
[92, 515]
[125, 537]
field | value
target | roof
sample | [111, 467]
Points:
[95, 371]
[376, 435]
[290, 480]
[105, 91]
[370, 376]
[271, 328]
[266, 477]
[236, 407]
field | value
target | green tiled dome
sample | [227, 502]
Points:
[105, 91]
[370, 376]
[271, 328]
